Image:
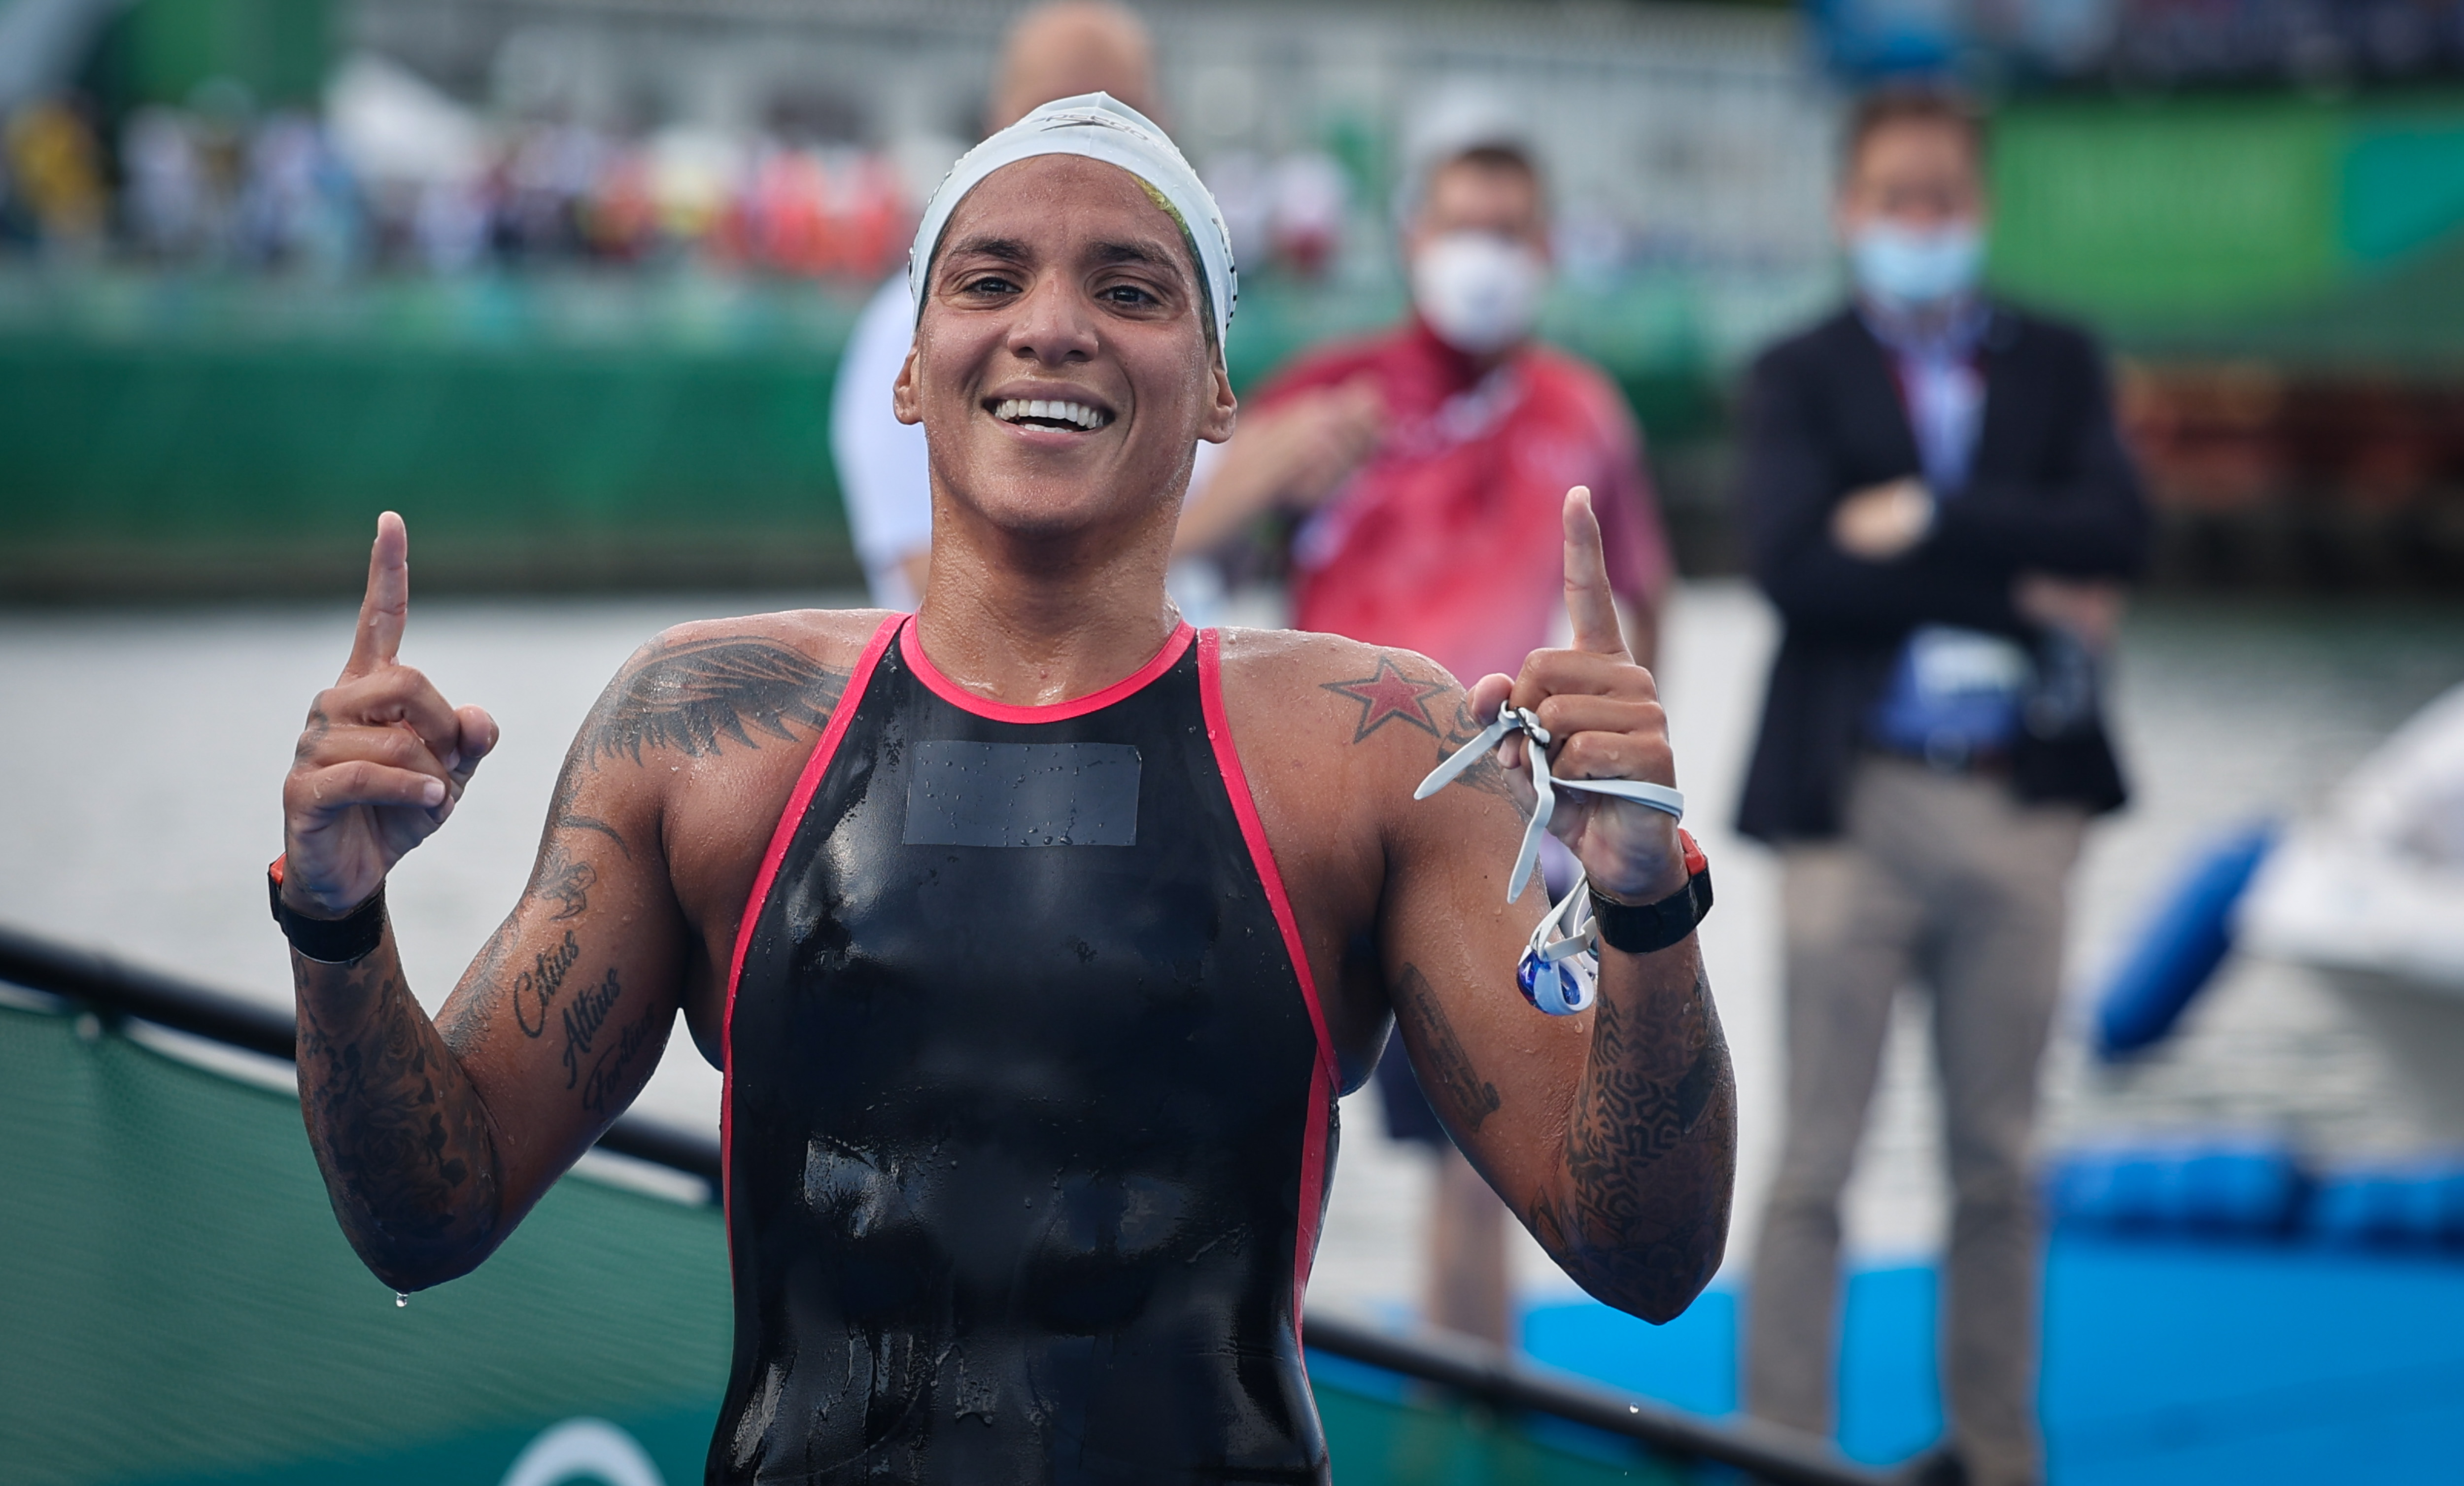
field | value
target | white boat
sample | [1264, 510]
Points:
[2370, 890]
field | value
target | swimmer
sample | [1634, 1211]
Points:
[1036, 933]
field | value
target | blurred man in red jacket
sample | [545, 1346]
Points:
[1426, 466]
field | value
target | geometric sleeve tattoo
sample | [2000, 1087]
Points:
[409, 1160]
[1647, 1219]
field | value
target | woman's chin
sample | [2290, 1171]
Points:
[1049, 503]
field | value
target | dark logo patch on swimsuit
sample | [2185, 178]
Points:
[1022, 794]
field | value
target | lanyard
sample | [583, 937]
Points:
[1560, 969]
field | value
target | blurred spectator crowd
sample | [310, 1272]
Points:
[393, 176]
[2152, 42]
[2286, 39]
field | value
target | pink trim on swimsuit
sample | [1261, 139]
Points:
[1323, 1078]
[912, 650]
[781, 836]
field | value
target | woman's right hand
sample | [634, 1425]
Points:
[382, 759]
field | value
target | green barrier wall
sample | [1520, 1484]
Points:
[178, 1304]
[177, 1308]
[2225, 212]
[170, 436]
[163, 435]
[204, 466]
[2167, 210]
[167, 50]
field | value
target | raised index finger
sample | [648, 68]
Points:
[386, 608]
[1589, 602]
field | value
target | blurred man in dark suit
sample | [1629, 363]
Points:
[1937, 502]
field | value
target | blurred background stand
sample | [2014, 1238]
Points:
[566, 280]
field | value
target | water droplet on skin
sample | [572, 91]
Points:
[400, 1299]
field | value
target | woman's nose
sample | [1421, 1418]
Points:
[1054, 323]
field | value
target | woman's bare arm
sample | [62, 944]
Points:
[1612, 1134]
[434, 1137]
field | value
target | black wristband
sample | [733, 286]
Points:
[1641, 929]
[329, 940]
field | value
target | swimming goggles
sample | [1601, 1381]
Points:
[1559, 972]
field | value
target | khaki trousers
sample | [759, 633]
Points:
[1948, 881]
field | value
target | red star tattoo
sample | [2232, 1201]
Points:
[1387, 693]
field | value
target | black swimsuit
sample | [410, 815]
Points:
[1030, 1106]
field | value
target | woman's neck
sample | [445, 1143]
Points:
[1034, 623]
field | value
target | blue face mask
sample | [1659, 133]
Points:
[1908, 268]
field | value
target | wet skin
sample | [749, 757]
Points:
[1610, 1135]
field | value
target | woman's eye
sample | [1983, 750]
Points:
[990, 283]
[1129, 294]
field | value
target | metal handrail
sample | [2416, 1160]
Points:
[1470, 1369]
[1497, 1378]
[116, 988]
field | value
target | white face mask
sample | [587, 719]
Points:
[1905, 268]
[1480, 291]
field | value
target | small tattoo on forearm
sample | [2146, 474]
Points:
[568, 883]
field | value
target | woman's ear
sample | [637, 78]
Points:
[1223, 409]
[906, 399]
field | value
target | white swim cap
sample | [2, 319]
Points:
[1100, 127]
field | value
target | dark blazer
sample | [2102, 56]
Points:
[2049, 490]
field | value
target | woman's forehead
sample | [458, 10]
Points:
[1066, 204]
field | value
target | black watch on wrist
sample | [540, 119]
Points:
[1646, 928]
[353, 936]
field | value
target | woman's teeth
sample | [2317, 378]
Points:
[1078, 415]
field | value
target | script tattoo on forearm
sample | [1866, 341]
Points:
[1448, 1079]
[409, 1158]
[1651, 1154]
[535, 988]
[487, 985]
[583, 1016]
[697, 695]
[605, 1090]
